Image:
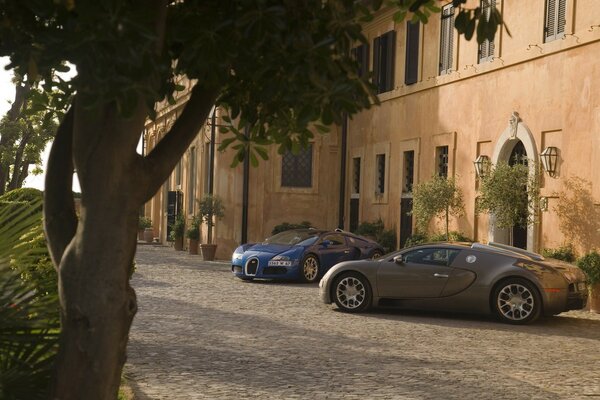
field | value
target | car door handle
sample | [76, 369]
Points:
[441, 275]
[346, 251]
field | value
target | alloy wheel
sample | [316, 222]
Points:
[515, 302]
[350, 292]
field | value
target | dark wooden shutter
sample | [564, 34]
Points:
[390, 56]
[486, 49]
[561, 18]
[376, 63]
[364, 59]
[411, 72]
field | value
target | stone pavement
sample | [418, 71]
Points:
[200, 333]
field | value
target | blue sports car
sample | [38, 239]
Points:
[300, 254]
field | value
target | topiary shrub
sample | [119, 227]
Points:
[564, 253]
[286, 226]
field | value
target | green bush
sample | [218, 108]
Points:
[376, 230]
[193, 232]
[144, 222]
[415, 240]
[590, 264]
[178, 228]
[286, 226]
[23, 194]
[564, 253]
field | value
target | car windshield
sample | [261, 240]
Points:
[302, 238]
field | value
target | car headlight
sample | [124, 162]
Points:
[237, 256]
[280, 261]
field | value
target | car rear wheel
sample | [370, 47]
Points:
[352, 292]
[517, 301]
[309, 269]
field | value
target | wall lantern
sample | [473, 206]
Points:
[549, 158]
[482, 166]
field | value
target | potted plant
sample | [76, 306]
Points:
[143, 224]
[590, 264]
[177, 231]
[210, 208]
[193, 234]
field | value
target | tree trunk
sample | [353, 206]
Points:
[95, 254]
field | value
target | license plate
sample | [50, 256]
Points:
[280, 263]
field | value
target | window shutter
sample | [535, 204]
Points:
[376, 63]
[364, 56]
[486, 49]
[411, 72]
[447, 39]
[561, 18]
[554, 27]
[390, 55]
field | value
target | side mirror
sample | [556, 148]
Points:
[326, 243]
[399, 259]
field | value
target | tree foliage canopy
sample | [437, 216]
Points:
[510, 194]
[437, 197]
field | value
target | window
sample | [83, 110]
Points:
[435, 256]
[356, 175]
[554, 24]
[361, 55]
[411, 72]
[383, 61]
[335, 239]
[380, 168]
[486, 49]
[192, 181]
[447, 39]
[409, 171]
[296, 169]
[441, 155]
[178, 175]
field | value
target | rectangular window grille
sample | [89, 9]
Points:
[383, 61]
[442, 160]
[380, 168]
[409, 170]
[447, 39]
[361, 55]
[555, 21]
[356, 175]
[192, 181]
[487, 48]
[411, 72]
[178, 175]
[296, 169]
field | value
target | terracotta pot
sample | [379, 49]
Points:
[193, 249]
[149, 235]
[208, 251]
[140, 234]
[594, 299]
[178, 244]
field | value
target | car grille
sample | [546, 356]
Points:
[252, 266]
[274, 270]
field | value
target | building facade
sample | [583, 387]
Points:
[445, 102]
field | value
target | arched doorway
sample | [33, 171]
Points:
[519, 233]
[515, 141]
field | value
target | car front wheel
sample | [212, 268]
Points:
[517, 301]
[309, 269]
[352, 292]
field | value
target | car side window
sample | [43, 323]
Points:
[336, 240]
[431, 256]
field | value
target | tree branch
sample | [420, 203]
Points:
[60, 219]
[166, 154]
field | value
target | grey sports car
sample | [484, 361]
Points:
[516, 285]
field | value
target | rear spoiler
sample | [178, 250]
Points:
[505, 249]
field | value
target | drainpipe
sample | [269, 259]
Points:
[246, 179]
[343, 174]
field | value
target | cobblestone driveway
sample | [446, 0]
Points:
[200, 333]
